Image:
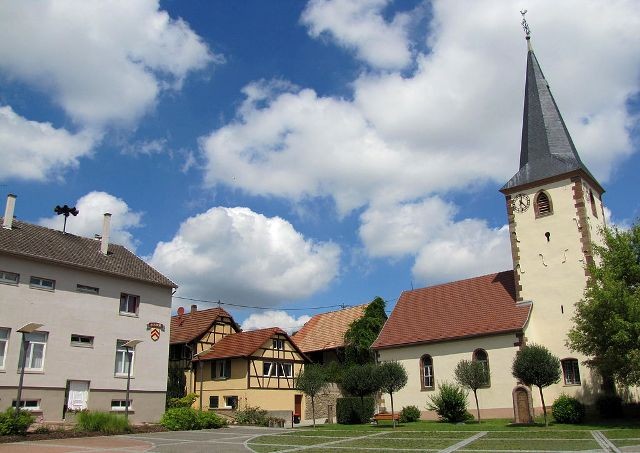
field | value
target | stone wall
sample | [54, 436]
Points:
[322, 402]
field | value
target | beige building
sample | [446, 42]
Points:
[90, 297]
[555, 211]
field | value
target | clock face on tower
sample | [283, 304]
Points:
[520, 202]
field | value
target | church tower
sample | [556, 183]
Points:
[555, 211]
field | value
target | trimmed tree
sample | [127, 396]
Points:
[360, 380]
[391, 377]
[363, 332]
[607, 319]
[535, 365]
[472, 375]
[312, 380]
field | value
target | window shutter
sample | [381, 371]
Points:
[227, 368]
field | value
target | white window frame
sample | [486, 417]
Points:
[86, 289]
[217, 406]
[128, 299]
[122, 351]
[27, 405]
[276, 369]
[284, 373]
[120, 405]
[278, 344]
[28, 359]
[82, 344]
[5, 278]
[428, 381]
[226, 401]
[220, 371]
[4, 345]
[38, 283]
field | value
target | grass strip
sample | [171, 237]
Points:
[621, 433]
[393, 444]
[531, 445]
[539, 435]
[288, 440]
[427, 435]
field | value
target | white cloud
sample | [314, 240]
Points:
[275, 318]
[89, 221]
[444, 249]
[239, 256]
[36, 151]
[146, 147]
[359, 25]
[452, 125]
[104, 62]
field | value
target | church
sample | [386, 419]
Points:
[554, 209]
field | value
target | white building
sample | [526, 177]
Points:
[90, 297]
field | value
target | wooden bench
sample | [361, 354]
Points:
[386, 416]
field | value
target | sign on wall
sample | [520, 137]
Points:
[155, 328]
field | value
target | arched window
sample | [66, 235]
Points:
[480, 355]
[571, 371]
[426, 372]
[543, 205]
[592, 199]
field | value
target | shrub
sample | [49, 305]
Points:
[409, 414]
[450, 403]
[10, 424]
[252, 416]
[180, 419]
[185, 401]
[187, 418]
[103, 422]
[567, 409]
[609, 406]
[210, 420]
[353, 410]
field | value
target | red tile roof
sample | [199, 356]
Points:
[241, 344]
[477, 306]
[326, 330]
[191, 326]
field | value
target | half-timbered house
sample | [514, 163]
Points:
[191, 334]
[249, 369]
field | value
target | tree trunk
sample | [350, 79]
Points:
[477, 405]
[392, 417]
[544, 408]
[313, 411]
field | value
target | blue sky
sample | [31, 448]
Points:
[291, 154]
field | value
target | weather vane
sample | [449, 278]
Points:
[65, 211]
[525, 25]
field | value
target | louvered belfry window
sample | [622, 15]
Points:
[543, 204]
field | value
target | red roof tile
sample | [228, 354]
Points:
[326, 330]
[477, 306]
[191, 326]
[241, 344]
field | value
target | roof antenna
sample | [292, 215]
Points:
[65, 211]
[219, 303]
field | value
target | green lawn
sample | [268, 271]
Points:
[434, 436]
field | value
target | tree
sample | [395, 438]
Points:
[607, 319]
[363, 332]
[535, 365]
[472, 375]
[312, 380]
[360, 380]
[391, 377]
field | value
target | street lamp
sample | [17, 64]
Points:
[28, 328]
[197, 356]
[128, 346]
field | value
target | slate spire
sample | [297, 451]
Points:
[546, 149]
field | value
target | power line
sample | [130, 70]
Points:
[255, 307]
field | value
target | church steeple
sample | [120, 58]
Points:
[547, 149]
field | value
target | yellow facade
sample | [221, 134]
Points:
[266, 379]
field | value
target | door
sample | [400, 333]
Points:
[78, 395]
[297, 408]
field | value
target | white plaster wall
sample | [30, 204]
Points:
[66, 311]
[446, 356]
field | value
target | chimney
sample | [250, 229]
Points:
[104, 241]
[7, 223]
[194, 308]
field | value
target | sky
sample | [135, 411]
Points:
[298, 156]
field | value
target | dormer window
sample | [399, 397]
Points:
[543, 205]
